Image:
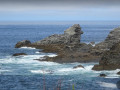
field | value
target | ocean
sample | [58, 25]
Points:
[25, 73]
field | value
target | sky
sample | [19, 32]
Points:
[59, 10]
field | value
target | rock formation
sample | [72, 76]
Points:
[118, 73]
[103, 75]
[67, 46]
[22, 43]
[110, 59]
[71, 36]
[18, 54]
[78, 66]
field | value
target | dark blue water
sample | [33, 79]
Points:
[24, 73]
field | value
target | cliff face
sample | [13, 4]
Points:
[71, 36]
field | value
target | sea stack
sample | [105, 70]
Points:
[71, 36]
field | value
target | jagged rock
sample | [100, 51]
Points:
[22, 43]
[103, 75]
[79, 66]
[112, 38]
[118, 73]
[67, 46]
[18, 54]
[110, 59]
[71, 36]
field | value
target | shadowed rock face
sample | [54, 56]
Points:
[110, 59]
[71, 36]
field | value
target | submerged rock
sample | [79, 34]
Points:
[103, 75]
[22, 43]
[18, 54]
[110, 59]
[79, 66]
[118, 73]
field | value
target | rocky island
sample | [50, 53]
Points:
[69, 48]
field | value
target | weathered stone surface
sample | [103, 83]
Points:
[22, 43]
[79, 66]
[110, 59]
[71, 36]
[18, 54]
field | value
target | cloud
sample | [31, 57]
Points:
[59, 9]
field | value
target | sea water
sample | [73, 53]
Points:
[26, 73]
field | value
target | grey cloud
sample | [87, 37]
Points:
[23, 5]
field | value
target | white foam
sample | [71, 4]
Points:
[107, 85]
[89, 67]
[2, 70]
[28, 48]
[52, 55]
[37, 52]
[41, 71]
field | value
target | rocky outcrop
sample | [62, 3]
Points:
[71, 36]
[110, 59]
[18, 54]
[78, 66]
[103, 75]
[67, 46]
[22, 43]
[112, 38]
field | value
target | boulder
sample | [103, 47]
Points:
[79, 66]
[103, 75]
[71, 36]
[22, 43]
[18, 54]
[110, 59]
[118, 73]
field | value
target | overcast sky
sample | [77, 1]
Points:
[59, 10]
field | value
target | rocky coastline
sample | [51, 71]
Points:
[69, 48]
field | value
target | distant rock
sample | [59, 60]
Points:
[110, 59]
[79, 66]
[22, 43]
[103, 75]
[71, 36]
[18, 54]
